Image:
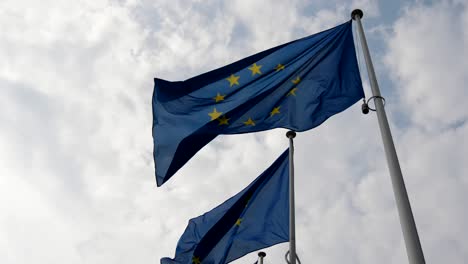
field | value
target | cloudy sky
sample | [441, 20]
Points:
[76, 171]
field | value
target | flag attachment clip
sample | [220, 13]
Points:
[365, 105]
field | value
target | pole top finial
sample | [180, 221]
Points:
[357, 12]
[261, 254]
[290, 134]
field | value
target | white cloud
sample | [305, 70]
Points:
[76, 172]
[427, 55]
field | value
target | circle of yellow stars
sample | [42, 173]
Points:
[234, 80]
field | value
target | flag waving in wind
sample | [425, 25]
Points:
[255, 218]
[297, 85]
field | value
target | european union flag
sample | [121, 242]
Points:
[297, 85]
[255, 218]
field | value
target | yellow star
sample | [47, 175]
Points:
[275, 111]
[249, 122]
[255, 69]
[196, 260]
[219, 97]
[279, 67]
[238, 222]
[215, 114]
[297, 80]
[292, 92]
[233, 79]
[223, 120]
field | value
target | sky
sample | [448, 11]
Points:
[76, 171]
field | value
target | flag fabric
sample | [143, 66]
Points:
[255, 218]
[297, 85]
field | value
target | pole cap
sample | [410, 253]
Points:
[261, 254]
[290, 134]
[357, 12]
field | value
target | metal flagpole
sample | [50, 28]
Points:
[410, 233]
[292, 218]
[261, 255]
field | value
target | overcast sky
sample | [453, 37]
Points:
[76, 171]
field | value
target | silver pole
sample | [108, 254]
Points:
[261, 255]
[292, 218]
[410, 233]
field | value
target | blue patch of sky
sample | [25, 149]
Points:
[314, 7]
[240, 29]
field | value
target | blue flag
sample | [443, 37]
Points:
[255, 218]
[297, 85]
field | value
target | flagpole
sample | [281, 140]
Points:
[410, 233]
[292, 218]
[261, 255]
